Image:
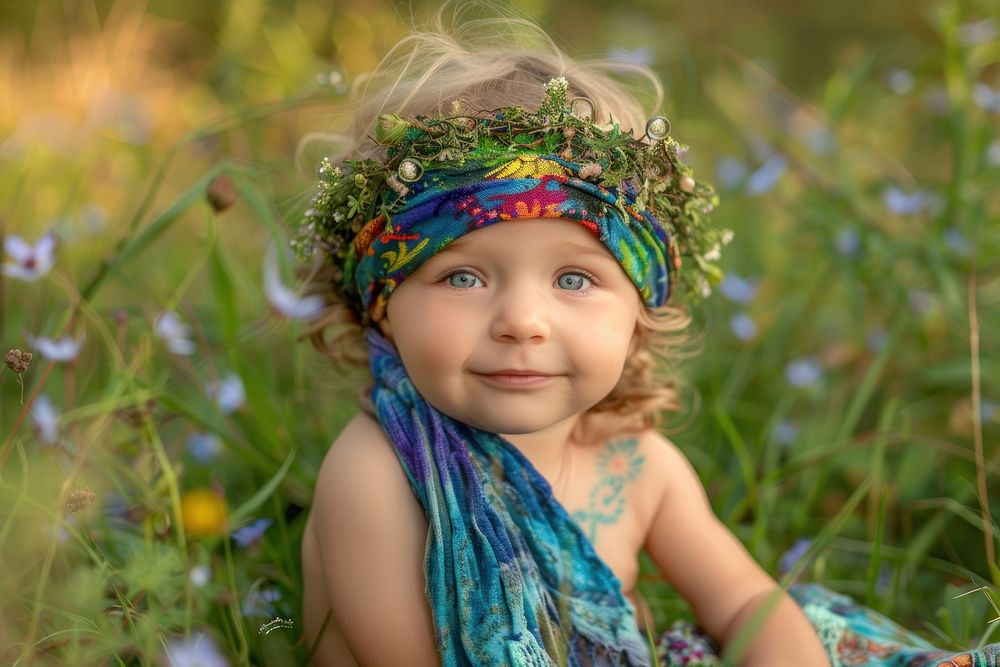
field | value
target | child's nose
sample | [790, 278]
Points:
[521, 314]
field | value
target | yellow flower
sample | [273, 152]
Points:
[203, 512]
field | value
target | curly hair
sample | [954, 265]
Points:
[491, 63]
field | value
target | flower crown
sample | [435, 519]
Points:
[648, 168]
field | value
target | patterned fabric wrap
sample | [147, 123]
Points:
[511, 578]
[447, 203]
[853, 636]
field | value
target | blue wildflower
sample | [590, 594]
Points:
[986, 98]
[993, 153]
[743, 326]
[785, 432]
[877, 340]
[228, 393]
[737, 289]
[260, 602]
[900, 81]
[196, 651]
[902, 203]
[794, 554]
[988, 411]
[848, 241]
[978, 32]
[251, 533]
[730, 171]
[804, 372]
[641, 55]
[956, 240]
[768, 175]
[204, 446]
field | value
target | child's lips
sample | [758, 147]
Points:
[517, 378]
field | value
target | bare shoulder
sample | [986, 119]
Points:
[664, 468]
[371, 534]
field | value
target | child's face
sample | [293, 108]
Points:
[513, 297]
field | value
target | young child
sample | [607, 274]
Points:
[507, 249]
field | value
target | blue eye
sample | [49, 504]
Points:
[467, 280]
[576, 282]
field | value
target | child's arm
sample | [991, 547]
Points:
[709, 567]
[372, 535]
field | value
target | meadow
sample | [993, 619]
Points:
[158, 449]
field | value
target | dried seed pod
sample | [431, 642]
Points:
[17, 361]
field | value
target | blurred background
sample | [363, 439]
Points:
[842, 412]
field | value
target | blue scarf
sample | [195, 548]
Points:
[511, 578]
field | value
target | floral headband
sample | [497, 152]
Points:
[379, 221]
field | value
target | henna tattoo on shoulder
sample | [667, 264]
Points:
[617, 465]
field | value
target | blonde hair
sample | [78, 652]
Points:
[491, 63]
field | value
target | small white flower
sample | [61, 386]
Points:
[31, 262]
[727, 236]
[196, 651]
[283, 300]
[228, 394]
[46, 418]
[714, 253]
[174, 332]
[200, 575]
[64, 349]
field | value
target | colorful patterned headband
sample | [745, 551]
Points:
[379, 221]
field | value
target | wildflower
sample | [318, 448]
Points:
[17, 360]
[642, 55]
[200, 575]
[877, 340]
[768, 175]
[988, 411]
[260, 602]
[803, 372]
[785, 432]
[333, 79]
[46, 418]
[901, 203]
[31, 262]
[848, 241]
[730, 171]
[204, 446]
[251, 533]
[197, 651]
[794, 554]
[956, 240]
[921, 301]
[228, 394]
[203, 512]
[743, 326]
[900, 81]
[738, 290]
[79, 499]
[985, 97]
[993, 153]
[283, 300]
[978, 32]
[64, 349]
[174, 332]
[221, 193]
